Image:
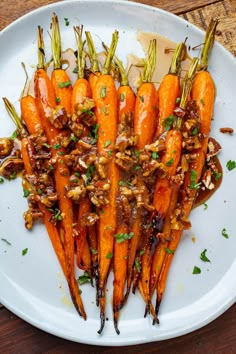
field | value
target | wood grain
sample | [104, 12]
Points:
[226, 12]
[178, 6]
[17, 336]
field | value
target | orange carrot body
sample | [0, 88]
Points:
[84, 208]
[62, 88]
[30, 114]
[168, 92]
[45, 98]
[105, 98]
[145, 114]
[203, 92]
[81, 90]
[126, 100]
[51, 229]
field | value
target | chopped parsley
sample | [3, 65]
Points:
[217, 175]
[224, 233]
[107, 143]
[123, 237]
[73, 138]
[13, 175]
[103, 92]
[24, 251]
[193, 180]
[104, 110]
[196, 270]
[170, 162]
[231, 165]
[167, 123]
[202, 101]
[109, 255]
[1, 180]
[89, 173]
[64, 84]
[121, 183]
[26, 193]
[110, 152]
[155, 155]
[137, 153]
[93, 250]
[56, 146]
[137, 265]
[141, 98]
[94, 133]
[56, 214]
[177, 100]
[142, 252]
[58, 100]
[85, 278]
[203, 256]
[67, 22]
[195, 131]
[122, 97]
[205, 206]
[169, 251]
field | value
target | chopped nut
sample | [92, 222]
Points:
[207, 180]
[6, 146]
[213, 148]
[226, 130]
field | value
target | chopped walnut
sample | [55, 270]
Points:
[10, 167]
[207, 180]
[123, 161]
[226, 130]
[59, 117]
[213, 148]
[6, 146]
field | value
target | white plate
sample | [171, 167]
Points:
[32, 286]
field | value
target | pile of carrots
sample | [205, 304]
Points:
[114, 173]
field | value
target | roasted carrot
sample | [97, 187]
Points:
[81, 88]
[105, 98]
[203, 93]
[60, 79]
[144, 129]
[173, 147]
[126, 104]
[84, 208]
[33, 125]
[46, 98]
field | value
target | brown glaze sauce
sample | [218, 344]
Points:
[204, 195]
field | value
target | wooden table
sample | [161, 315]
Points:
[17, 336]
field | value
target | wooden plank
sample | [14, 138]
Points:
[178, 6]
[17, 336]
[226, 12]
[12, 11]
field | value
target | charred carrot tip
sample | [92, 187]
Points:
[116, 324]
[102, 317]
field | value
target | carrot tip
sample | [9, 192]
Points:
[116, 325]
[102, 317]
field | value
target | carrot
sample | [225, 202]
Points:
[32, 126]
[144, 128]
[203, 93]
[81, 89]
[171, 157]
[105, 98]
[126, 104]
[45, 98]
[84, 208]
[60, 79]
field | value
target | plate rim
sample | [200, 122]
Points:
[232, 58]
